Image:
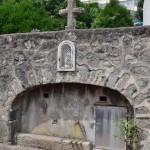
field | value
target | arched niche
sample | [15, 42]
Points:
[64, 109]
[66, 56]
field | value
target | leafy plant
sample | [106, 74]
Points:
[129, 132]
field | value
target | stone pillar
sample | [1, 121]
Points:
[146, 12]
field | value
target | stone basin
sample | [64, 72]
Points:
[51, 143]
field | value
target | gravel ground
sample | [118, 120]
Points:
[15, 147]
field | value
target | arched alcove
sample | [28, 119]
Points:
[65, 110]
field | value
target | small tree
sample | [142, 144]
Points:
[140, 10]
[113, 15]
[130, 133]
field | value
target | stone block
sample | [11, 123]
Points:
[4, 132]
[86, 145]
[141, 110]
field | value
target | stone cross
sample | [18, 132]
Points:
[146, 12]
[71, 11]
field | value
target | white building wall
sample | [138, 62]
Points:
[146, 12]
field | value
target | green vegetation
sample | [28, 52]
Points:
[113, 15]
[130, 133]
[91, 12]
[140, 10]
[26, 15]
[53, 7]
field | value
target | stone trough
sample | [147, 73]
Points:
[51, 143]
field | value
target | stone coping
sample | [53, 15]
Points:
[79, 30]
[51, 143]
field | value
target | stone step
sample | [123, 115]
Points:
[16, 147]
[51, 143]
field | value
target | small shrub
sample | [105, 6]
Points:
[130, 133]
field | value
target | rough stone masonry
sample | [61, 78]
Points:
[115, 58]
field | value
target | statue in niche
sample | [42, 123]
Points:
[66, 56]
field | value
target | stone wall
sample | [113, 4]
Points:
[114, 58]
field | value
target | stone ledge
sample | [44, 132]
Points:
[16, 147]
[51, 143]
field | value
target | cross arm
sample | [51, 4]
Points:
[63, 12]
[78, 11]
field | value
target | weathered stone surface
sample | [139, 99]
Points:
[21, 75]
[143, 82]
[143, 123]
[143, 134]
[39, 58]
[4, 132]
[127, 41]
[107, 64]
[115, 54]
[49, 44]
[29, 60]
[141, 70]
[19, 58]
[141, 110]
[3, 85]
[102, 51]
[130, 59]
[30, 44]
[141, 97]
[53, 143]
[130, 90]
[14, 147]
[83, 73]
[122, 81]
[145, 56]
[147, 145]
[112, 79]
[97, 40]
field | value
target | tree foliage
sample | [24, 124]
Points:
[53, 7]
[113, 15]
[140, 10]
[91, 12]
[23, 16]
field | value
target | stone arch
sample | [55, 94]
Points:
[123, 83]
[33, 104]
